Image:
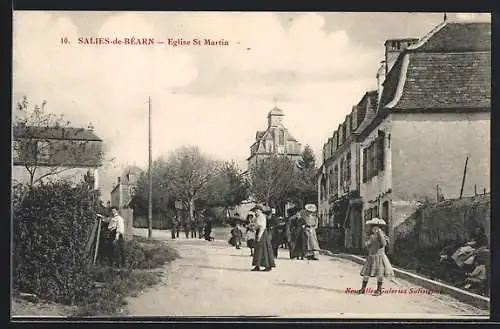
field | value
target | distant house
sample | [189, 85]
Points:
[55, 152]
[434, 111]
[123, 191]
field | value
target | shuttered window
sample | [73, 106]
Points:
[365, 162]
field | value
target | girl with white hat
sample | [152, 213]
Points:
[377, 264]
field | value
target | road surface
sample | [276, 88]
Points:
[214, 279]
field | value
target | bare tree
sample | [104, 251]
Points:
[34, 146]
[273, 179]
[187, 173]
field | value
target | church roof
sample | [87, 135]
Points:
[276, 111]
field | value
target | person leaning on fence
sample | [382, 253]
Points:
[117, 230]
[376, 264]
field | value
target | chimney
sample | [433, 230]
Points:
[393, 47]
[119, 180]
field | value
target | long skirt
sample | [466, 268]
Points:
[263, 256]
[299, 242]
[377, 265]
[312, 240]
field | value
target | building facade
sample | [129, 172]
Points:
[407, 142]
[339, 204]
[434, 113]
[123, 191]
[276, 139]
[52, 153]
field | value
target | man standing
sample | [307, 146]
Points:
[311, 224]
[187, 227]
[117, 229]
[194, 228]
[175, 227]
[201, 225]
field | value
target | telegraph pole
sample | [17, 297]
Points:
[150, 175]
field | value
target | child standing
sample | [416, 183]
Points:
[377, 264]
[250, 234]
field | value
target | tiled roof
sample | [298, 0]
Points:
[450, 68]
[368, 107]
[67, 133]
[447, 80]
[459, 37]
[259, 134]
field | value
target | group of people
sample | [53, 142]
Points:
[264, 234]
[196, 228]
[264, 238]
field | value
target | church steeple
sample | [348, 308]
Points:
[275, 117]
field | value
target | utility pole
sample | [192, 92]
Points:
[150, 175]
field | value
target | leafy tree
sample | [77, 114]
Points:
[227, 188]
[305, 189]
[308, 160]
[33, 151]
[162, 196]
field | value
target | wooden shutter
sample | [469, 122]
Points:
[365, 160]
[381, 149]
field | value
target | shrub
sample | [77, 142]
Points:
[52, 224]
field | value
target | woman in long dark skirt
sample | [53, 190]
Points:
[300, 239]
[263, 256]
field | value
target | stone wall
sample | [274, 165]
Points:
[420, 238]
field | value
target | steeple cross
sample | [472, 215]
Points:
[275, 101]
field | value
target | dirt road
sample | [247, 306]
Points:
[214, 279]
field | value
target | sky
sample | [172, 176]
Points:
[314, 66]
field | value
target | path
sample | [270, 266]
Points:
[214, 279]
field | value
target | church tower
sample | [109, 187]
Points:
[275, 118]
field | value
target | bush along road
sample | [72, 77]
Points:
[52, 275]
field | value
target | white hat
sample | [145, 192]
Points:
[310, 207]
[376, 221]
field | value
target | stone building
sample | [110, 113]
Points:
[276, 139]
[406, 143]
[123, 191]
[339, 178]
[434, 111]
[52, 153]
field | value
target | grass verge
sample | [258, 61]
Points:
[114, 285]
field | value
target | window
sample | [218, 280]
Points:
[335, 181]
[282, 137]
[348, 168]
[385, 211]
[381, 150]
[341, 172]
[374, 159]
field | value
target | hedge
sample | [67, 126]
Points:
[52, 224]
